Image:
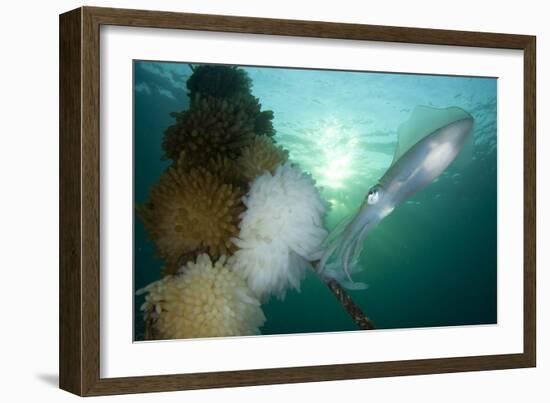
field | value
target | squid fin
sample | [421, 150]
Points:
[423, 121]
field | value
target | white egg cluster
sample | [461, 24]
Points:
[280, 230]
[203, 300]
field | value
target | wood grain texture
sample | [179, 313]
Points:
[304, 374]
[70, 312]
[90, 201]
[316, 29]
[80, 200]
[530, 202]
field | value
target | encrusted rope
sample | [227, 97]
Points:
[354, 310]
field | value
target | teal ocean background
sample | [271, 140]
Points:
[432, 262]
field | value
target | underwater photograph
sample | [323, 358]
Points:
[279, 200]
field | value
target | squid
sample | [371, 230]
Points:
[427, 144]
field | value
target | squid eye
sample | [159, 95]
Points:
[373, 196]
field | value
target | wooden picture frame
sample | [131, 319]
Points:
[80, 187]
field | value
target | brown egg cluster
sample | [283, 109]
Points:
[212, 126]
[262, 155]
[218, 81]
[226, 169]
[190, 212]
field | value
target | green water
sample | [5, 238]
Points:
[432, 262]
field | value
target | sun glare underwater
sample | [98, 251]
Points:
[241, 173]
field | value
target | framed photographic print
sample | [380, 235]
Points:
[251, 201]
